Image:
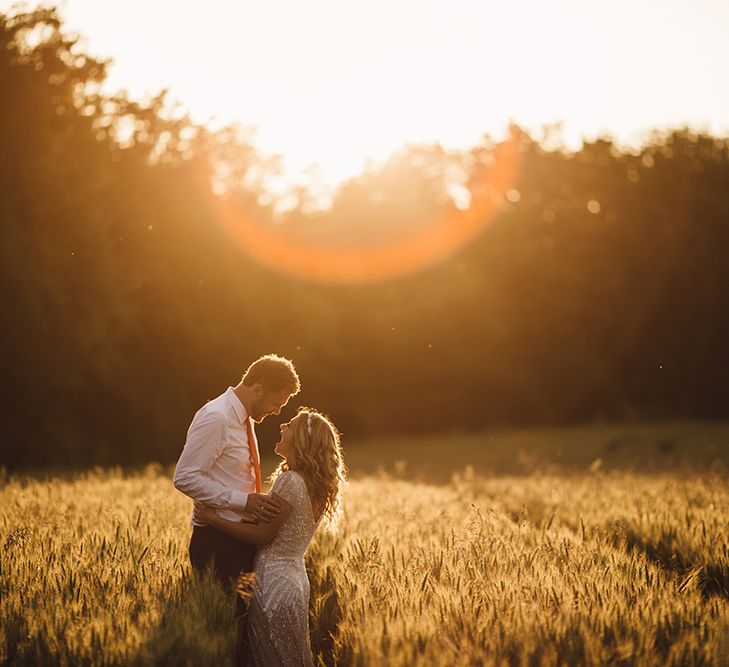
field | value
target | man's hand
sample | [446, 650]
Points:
[266, 508]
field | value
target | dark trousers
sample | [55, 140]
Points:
[229, 558]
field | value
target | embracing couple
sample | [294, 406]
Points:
[238, 529]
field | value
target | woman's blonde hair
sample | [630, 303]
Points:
[317, 457]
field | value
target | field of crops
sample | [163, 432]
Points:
[585, 568]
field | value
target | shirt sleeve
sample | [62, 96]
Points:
[205, 440]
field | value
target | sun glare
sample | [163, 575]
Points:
[381, 255]
[328, 85]
[331, 89]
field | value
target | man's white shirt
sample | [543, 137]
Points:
[215, 467]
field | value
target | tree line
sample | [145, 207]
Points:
[596, 289]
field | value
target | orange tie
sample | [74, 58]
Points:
[254, 454]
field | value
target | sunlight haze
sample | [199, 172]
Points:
[335, 83]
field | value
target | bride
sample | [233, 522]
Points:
[309, 483]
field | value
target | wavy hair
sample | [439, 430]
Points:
[317, 457]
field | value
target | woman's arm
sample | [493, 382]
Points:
[256, 533]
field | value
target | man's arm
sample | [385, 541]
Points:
[204, 444]
[256, 533]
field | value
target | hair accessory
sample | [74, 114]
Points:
[308, 422]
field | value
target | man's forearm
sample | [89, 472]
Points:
[198, 486]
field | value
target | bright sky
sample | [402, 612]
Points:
[336, 81]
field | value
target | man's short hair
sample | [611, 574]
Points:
[274, 374]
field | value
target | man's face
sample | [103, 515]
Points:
[268, 403]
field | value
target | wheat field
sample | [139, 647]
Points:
[587, 568]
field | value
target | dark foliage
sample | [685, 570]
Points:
[598, 292]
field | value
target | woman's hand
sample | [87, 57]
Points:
[265, 507]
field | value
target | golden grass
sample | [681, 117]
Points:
[589, 569]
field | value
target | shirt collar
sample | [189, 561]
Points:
[239, 408]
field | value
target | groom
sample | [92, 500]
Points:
[220, 465]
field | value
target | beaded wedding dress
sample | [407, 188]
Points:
[278, 618]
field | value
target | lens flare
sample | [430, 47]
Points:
[331, 262]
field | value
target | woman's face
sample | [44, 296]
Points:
[285, 447]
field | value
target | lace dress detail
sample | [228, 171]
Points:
[278, 619]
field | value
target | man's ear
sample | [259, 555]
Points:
[258, 390]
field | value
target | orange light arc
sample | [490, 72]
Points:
[351, 265]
